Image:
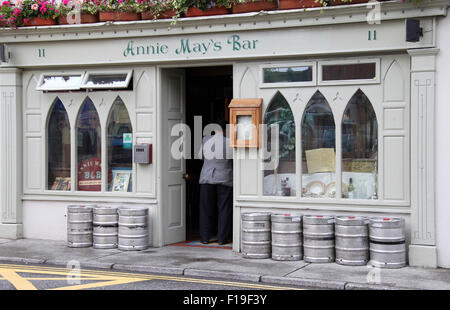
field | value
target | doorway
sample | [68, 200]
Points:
[208, 93]
[184, 94]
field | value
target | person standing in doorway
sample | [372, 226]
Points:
[216, 186]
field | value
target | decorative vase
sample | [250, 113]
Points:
[39, 21]
[85, 18]
[118, 16]
[254, 6]
[298, 4]
[162, 15]
[193, 11]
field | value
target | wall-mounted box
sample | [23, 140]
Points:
[142, 153]
[245, 118]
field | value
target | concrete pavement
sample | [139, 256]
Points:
[225, 264]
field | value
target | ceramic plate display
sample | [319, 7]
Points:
[330, 190]
[315, 188]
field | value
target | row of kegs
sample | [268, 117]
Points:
[346, 240]
[105, 227]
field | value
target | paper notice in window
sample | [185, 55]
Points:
[321, 160]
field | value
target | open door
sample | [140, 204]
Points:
[173, 185]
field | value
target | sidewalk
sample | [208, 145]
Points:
[223, 263]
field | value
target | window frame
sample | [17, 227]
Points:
[124, 85]
[69, 73]
[312, 64]
[321, 64]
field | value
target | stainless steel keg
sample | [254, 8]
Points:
[387, 242]
[352, 240]
[133, 229]
[318, 238]
[287, 239]
[256, 235]
[106, 221]
[79, 226]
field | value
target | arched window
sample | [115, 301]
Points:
[359, 149]
[89, 171]
[279, 174]
[58, 148]
[120, 141]
[318, 149]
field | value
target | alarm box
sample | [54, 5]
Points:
[143, 153]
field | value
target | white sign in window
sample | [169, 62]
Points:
[244, 127]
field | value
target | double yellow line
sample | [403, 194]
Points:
[9, 272]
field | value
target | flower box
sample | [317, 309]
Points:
[340, 2]
[162, 15]
[118, 16]
[193, 11]
[254, 6]
[84, 19]
[298, 4]
[39, 21]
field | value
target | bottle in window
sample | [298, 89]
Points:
[351, 189]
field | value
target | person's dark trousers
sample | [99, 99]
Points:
[216, 197]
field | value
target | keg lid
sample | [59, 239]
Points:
[286, 218]
[318, 219]
[105, 210]
[256, 216]
[352, 220]
[79, 208]
[132, 211]
[387, 221]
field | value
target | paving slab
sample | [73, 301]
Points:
[220, 260]
[407, 277]
[5, 240]
[56, 252]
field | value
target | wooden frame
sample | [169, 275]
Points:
[245, 107]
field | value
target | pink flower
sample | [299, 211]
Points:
[35, 7]
[65, 2]
[16, 11]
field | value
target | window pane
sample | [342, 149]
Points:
[287, 74]
[61, 82]
[120, 139]
[359, 149]
[366, 71]
[89, 169]
[58, 149]
[318, 149]
[107, 80]
[279, 172]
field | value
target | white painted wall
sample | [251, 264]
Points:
[48, 219]
[443, 142]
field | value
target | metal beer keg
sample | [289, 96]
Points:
[387, 242]
[133, 230]
[106, 221]
[256, 235]
[287, 239]
[318, 238]
[352, 240]
[79, 226]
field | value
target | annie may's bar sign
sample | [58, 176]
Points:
[189, 47]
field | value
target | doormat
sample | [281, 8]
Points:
[197, 243]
